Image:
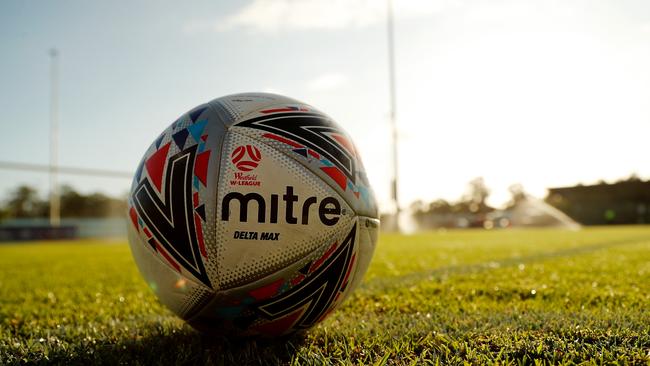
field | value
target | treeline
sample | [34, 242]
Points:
[626, 201]
[472, 202]
[26, 202]
[470, 210]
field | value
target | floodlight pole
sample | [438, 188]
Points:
[392, 112]
[55, 209]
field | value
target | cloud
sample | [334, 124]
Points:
[281, 15]
[327, 81]
[645, 27]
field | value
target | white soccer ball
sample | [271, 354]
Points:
[252, 214]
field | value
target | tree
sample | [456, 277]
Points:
[476, 197]
[75, 204]
[517, 194]
[440, 206]
[417, 208]
[24, 202]
[72, 203]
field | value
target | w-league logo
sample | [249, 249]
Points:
[246, 158]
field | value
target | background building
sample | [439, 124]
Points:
[623, 202]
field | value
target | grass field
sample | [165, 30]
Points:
[508, 297]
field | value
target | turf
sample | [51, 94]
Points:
[454, 297]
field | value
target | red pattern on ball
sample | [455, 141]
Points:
[246, 157]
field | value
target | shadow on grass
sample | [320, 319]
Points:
[183, 346]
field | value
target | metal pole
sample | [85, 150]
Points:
[55, 210]
[10, 165]
[393, 109]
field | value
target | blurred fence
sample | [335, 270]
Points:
[112, 227]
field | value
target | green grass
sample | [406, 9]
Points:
[455, 297]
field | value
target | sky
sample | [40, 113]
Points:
[540, 93]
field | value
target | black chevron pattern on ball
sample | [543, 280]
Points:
[317, 292]
[309, 129]
[171, 221]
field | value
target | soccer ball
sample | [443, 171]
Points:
[252, 215]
